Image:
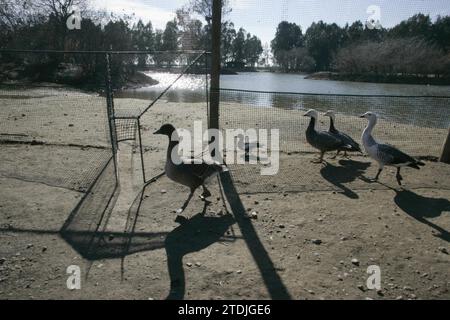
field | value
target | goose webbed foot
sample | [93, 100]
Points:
[185, 204]
[378, 174]
[320, 160]
[206, 194]
[335, 156]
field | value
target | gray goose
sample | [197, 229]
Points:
[321, 140]
[191, 172]
[353, 145]
[384, 154]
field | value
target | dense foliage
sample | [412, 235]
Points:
[417, 46]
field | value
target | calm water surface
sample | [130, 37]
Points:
[191, 88]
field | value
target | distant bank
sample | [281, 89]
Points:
[380, 78]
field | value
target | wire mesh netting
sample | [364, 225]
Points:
[178, 95]
[55, 130]
[53, 135]
[416, 125]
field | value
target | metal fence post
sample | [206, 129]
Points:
[110, 109]
[213, 121]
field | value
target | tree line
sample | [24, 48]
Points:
[417, 45]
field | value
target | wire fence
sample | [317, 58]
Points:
[417, 125]
[53, 135]
[66, 134]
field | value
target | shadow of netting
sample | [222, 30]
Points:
[416, 125]
[53, 135]
[85, 227]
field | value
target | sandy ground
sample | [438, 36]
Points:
[309, 232]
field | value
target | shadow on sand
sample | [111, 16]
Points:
[194, 234]
[348, 171]
[420, 208]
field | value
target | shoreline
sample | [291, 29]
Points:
[371, 78]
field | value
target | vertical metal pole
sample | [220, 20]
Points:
[141, 149]
[206, 85]
[110, 111]
[215, 65]
[445, 156]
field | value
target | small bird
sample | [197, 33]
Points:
[321, 140]
[354, 146]
[192, 172]
[384, 154]
[248, 147]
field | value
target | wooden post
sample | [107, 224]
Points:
[214, 94]
[445, 156]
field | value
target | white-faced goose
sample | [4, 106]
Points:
[353, 146]
[321, 140]
[384, 154]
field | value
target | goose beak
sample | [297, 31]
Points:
[157, 132]
[362, 116]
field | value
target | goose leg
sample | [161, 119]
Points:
[378, 174]
[320, 160]
[185, 204]
[321, 157]
[399, 177]
[206, 193]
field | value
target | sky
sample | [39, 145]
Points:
[261, 17]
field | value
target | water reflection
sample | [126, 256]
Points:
[429, 111]
[189, 88]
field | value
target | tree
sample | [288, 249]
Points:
[228, 38]
[418, 25]
[142, 39]
[322, 42]
[287, 37]
[190, 31]
[441, 33]
[252, 49]
[407, 56]
[238, 46]
[204, 8]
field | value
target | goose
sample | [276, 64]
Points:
[321, 140]
[354, 146]
[192, 172]
[384, 154]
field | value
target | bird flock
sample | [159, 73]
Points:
[194, 173]
[334, 140]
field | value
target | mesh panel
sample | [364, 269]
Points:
[178, 96]
[126, 129]
[52, 134]
[417, 125]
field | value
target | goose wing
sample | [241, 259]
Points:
[328, 141]
[200, 168]
[391, 155]
[354, 146]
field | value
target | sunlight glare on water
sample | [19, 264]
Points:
[186, 82]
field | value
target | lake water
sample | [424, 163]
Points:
[191, 88]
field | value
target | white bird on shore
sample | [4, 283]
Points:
[321, 140]
[384, 154]
[352, 144]
[191, 172]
